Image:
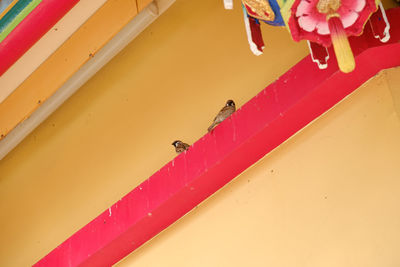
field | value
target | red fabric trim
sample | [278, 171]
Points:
[256, 35]
[377, 23]
[319, 52]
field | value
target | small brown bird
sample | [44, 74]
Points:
[180, 146]
[225, 112]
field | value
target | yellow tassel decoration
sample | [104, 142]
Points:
[341, 44]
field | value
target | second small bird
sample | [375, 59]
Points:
[180, 146]
[224, 113]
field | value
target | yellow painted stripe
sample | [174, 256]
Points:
[8, 8]
[65, 61]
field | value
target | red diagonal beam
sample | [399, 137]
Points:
[271, 117]
[31, 29]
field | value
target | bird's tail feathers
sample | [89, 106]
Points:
[212, 126]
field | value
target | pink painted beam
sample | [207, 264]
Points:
[262, 124]
[31, 29]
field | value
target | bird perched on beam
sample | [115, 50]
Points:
[180, 146]
[224, 113]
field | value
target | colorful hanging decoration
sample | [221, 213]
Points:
[321, 22]
[256, 11]
[259, 9]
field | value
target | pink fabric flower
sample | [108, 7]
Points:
[307, 23]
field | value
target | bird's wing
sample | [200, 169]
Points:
[220, 115]
[227, 111]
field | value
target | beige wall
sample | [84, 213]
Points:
[167, 84]
[327, 197]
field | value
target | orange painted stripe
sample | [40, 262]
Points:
[64, 62]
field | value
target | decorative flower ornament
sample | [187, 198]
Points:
[312, 21]
[329, 22]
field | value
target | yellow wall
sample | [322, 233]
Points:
[167, 84]
[329, 196]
